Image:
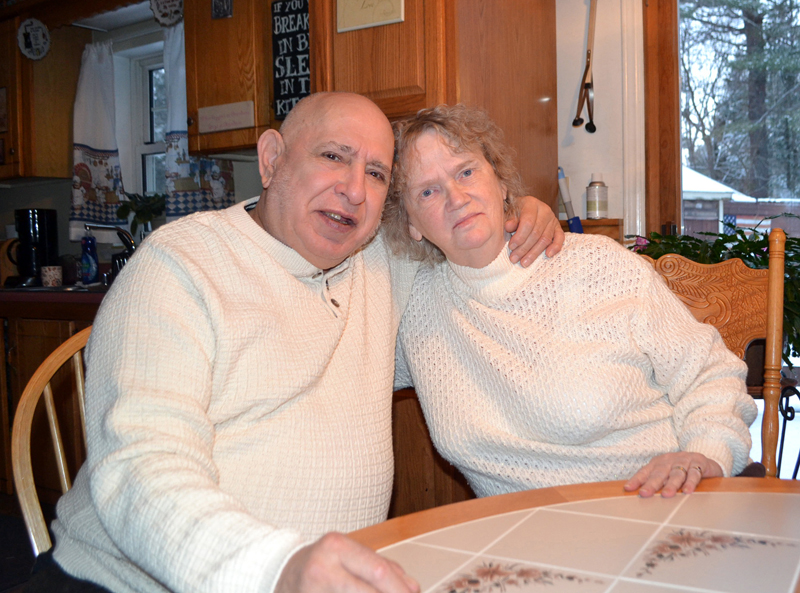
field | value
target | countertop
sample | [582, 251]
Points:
[40, 303]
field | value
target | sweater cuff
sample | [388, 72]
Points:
[271, 579]
[715, 451]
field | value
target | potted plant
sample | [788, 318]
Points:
[751, 246]
[145, 209]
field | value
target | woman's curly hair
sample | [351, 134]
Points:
[464, 129]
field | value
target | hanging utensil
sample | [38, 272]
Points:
[586, 94]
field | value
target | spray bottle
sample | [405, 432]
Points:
[90, 272]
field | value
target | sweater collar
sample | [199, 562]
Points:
[288, 258]
[498, 276]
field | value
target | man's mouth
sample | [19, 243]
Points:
[340, 219]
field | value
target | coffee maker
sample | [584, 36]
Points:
[37, 234]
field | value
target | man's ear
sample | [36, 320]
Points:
[415, 234]
[270, 147]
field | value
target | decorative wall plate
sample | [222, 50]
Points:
[33, 39]
[167, 12]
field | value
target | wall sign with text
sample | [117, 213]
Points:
[291, 75]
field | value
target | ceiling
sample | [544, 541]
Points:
[122, 17]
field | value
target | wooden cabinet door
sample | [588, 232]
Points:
[399, 66]
[227, 61]
[49, 89]
[39, 99]
[10, 87]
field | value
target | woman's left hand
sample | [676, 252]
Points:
[536, 230]
[672, 473]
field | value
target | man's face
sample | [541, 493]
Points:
[327, 194]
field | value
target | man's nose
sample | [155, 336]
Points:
[353, 185]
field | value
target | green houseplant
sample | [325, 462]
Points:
[753, 249]
[145, 209]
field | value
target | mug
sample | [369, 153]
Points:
[51, 276]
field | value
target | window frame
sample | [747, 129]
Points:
[140, 115]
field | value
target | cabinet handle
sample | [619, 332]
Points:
[190, 121]
[12, 151]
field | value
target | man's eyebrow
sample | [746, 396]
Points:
[381, 167]
[347, 149]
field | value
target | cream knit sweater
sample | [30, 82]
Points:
[580, 368]
[238, 405]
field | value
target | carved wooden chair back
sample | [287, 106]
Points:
[39, 386]
[744, 305]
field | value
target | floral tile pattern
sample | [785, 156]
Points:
[490, 576]
[701, 543]
[683, 543]
[719, 561]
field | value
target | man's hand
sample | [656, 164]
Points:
[536, 230]
[337, 563]
[673, 472]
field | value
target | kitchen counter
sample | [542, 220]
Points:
[43, 303]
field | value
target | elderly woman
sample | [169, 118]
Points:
[583, 367]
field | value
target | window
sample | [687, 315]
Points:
[150, 88]
[739, 101]
[663, 114]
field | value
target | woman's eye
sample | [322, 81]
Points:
[467, 173]
[378, 175]
[426, 193]
[331, 157]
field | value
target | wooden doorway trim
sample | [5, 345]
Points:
[662, 114]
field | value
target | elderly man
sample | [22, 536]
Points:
[239, 381]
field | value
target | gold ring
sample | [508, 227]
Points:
[698, 468]
[681, 468]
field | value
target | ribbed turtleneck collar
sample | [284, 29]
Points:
[288, 258]
[495, 279]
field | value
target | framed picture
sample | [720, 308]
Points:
[2, 151]
[221, 9]
[357, 14]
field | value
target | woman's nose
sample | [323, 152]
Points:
[456, 197]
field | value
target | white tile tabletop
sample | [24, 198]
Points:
[706, 542]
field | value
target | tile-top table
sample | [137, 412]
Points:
[737, 535]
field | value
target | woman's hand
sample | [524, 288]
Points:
[536, 230]
[672, 473]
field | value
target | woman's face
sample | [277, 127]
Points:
[455, 201]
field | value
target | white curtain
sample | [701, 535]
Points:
[192, 183]
[96, 176]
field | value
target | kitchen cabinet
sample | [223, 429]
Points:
[39, 99]
[33, 325]
[228, 61]
[499, 55]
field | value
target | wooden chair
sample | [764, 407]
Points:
[744, 305]
[21, 434]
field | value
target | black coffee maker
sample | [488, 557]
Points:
[37, 234]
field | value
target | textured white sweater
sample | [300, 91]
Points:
[238, 405]
[580, 368]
